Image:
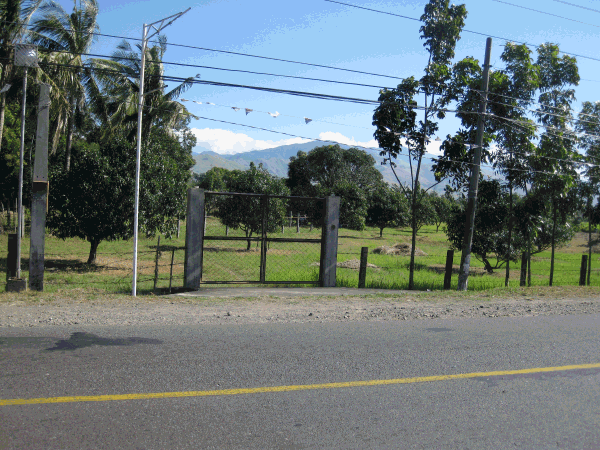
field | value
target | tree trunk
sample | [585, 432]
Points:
[381, 232]
[70, 126]
[249, 241]
[94, 242]
[510, 225]
[553, 242]
[589, 267]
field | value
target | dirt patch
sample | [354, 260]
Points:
[350, 264]
[398, 250]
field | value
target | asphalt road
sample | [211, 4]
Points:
[549, 409]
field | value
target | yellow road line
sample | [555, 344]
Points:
[301, 387]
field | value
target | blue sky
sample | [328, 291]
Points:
[319, 32]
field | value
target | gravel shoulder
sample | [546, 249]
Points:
[68, 308]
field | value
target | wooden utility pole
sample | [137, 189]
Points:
[465, 263]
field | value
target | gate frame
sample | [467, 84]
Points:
[194, 240]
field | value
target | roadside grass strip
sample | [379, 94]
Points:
[289, 388]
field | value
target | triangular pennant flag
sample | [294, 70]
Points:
[274, 115]
[209, 103]
[248, 111]
[306, 120]
[184, 99]
[235, 108]
[397, 134]
[387, 129]
[199, 103]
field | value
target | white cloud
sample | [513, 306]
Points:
[339, 137]
[227, 142]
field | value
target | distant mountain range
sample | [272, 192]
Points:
[276, 160]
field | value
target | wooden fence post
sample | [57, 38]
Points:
[448, 273]
[583, 270]
[171, 273]
[362, 273]
[156, 263]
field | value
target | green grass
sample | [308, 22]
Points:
[67, 272]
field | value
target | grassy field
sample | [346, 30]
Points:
[66, 268]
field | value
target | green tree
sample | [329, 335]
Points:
[490, 239]
[331, 170]
[119, 78]
[387, 208]
[246, 212]
[442, 205]
[395, 117]
[94, 200]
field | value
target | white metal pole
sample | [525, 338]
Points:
[137, 163]
[20, 198]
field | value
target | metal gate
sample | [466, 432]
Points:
[260, 239]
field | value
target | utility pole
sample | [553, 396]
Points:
[158, 26]
[25, 56]
[465, 263]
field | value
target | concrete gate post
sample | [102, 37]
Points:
[194, 238]
[39, 195]
[329, 241]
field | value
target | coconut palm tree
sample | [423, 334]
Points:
[119, 78]
[14, 19]
[66, 37]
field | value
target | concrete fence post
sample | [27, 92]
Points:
[39, 194]
[329, 241]
[194, 238]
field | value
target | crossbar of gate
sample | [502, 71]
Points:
[196, 237]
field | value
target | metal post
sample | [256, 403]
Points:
[138, 153]
[145, 38]
[264, 205]
[463, 276]
[194, 238]
[156, 264]
[21, 152]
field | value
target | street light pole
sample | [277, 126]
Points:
[159, 25]
[25, 56]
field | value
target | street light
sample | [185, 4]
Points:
[25, 56]
[159, 25]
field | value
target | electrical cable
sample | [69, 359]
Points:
[466, 31]
[226, 52]
[547, 13]
[577, 6]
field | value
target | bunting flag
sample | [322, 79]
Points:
[198, 103]
[387, 129]
[209, 103]
[184, 99]
[274, 115]
[307, 120]
[235, 108]
[248, 110]
[6, 88]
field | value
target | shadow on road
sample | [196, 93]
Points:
[81, 339]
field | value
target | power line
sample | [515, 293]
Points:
[547, 13]
[577, 6]
[466, 31]
[229, 52]
[227, 70]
